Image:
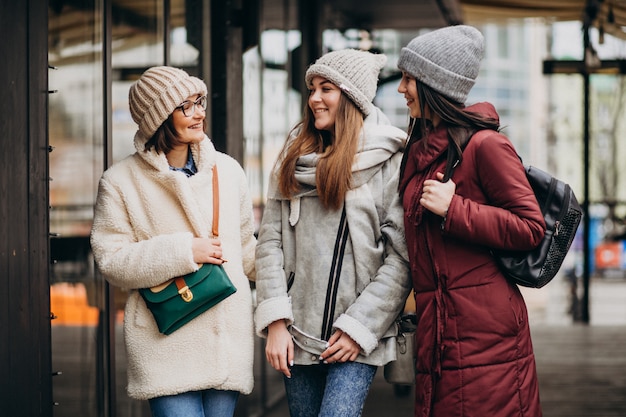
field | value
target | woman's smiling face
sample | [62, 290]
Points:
[408, 88]
[324, 98]
[190, 129]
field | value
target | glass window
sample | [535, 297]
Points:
[502, 42]
[75, 133]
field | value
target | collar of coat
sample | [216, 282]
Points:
[203, 153]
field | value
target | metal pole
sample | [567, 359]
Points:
[584, 313]
[586, 222]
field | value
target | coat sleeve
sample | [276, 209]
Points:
[248, 241]
[273, 302]
[123, 260]
[374, 311]
[510, 217]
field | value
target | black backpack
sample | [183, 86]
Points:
[562, 215]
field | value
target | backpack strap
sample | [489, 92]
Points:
[453, 158]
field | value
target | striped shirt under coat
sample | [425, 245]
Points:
[296, 253]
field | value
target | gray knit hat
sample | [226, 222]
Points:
[446, 60]
[157, 93]
[355, 72]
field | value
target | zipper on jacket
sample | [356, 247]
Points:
[333, 278]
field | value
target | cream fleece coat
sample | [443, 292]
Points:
[145, 218]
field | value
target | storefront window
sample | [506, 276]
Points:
[75, 135]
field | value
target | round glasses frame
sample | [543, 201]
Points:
[189, 107]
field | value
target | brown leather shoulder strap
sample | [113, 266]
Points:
[216, 202]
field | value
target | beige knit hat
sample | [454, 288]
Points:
[355, 72]
[157, 93]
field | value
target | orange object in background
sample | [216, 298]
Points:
[69, 304]
[608, 255]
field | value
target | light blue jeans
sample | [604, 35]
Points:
[207, 403]
[335, 390]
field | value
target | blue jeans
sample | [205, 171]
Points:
[207, 403]
[335, 390]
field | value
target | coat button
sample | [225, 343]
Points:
[314, 358]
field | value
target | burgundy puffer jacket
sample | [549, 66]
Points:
[474, 350]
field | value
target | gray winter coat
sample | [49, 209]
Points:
[296, 253]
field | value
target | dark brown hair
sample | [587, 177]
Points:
[166, 137]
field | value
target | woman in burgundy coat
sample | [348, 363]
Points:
[474, 350]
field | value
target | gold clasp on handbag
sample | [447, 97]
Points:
[186, 294]
[183, 290]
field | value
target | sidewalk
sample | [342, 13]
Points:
[582, 368]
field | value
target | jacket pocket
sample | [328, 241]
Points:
[137, 313]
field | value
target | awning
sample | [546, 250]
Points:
[606, 15]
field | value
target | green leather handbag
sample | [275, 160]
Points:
[179, 300]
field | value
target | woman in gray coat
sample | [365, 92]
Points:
[332, 271]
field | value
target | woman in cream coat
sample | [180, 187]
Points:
[152, 222]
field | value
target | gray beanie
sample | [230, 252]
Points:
[354, 72]
[446, 60]
[157, 93]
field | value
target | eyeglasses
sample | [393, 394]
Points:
[189, 107]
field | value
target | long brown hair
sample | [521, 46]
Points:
[461, 124]
[333, 176]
